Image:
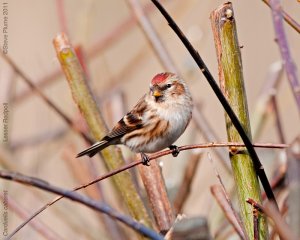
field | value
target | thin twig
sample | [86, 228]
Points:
[286, 56]
[257, 164]
[286, 17]
[98, 206]
[38, 226]
[139, 161]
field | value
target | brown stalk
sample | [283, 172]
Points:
[157, 196]
[272, 212]
[186, 182]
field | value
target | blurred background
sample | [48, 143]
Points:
[120, 63]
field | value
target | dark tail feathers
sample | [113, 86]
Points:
[91, 151]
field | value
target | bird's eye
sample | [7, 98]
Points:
[169, 85]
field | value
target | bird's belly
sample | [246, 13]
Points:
[177, 125]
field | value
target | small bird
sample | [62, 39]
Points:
[156, 122]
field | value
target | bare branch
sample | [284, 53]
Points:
[98, 206]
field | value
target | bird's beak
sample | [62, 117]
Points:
[157, 93]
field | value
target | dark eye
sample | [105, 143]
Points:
[169, 85]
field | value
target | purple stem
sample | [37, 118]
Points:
[284, 50]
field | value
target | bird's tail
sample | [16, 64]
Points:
[91, 151]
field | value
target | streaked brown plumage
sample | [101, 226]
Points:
[157, 120]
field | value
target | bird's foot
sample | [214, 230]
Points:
[145, 159]
[175, 150]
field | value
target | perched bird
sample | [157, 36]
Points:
[156, 122]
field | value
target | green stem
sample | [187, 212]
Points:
[88, 108]
[232, 85]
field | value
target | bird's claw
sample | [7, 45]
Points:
[145, 159]
[175, 150]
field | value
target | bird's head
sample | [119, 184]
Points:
[167, 86]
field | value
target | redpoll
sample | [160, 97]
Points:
[156, 121]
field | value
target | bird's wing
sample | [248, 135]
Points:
[127, 124]
[131, 121]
